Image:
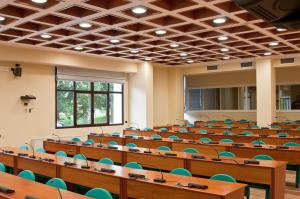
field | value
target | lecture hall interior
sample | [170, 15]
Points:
[150, 99]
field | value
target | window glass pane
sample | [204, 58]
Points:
[229, 98]
[83, 108]
[115, 108]
[288, 97]
[100, 86]
[65, 109]
[251, 98]
[65, 85]
[100, 108]
[115, 87]
[211, 99]
[295, 96]
[83, 86]
[195, 99]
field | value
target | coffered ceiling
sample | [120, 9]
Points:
[187, 23]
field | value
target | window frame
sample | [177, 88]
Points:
[92, 93]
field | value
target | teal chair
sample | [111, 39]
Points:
[292, 144]
[24, 147]
[61, 153]
[227, 132]
[76, 139]
[163, 129]
[227, 154]
[263, 157]
[58, 183]
[258, 142]
[243, 121]
[131, 145]
[133, 135]
[183, 130]
[254, 127]
[164, 148]
[228, 121]
[275, 127]
[156, 136]
[27, 174]
[202, 131]
[205, 139]
[90, 141]
[207, 125]
[112, 143]
[106, 161]
[282, 134]
[79, 157]
[40, 150]
[116, 133]
[98, 193]
[181, 171]
[226, 140]
[213, 121]
[247, 133]
[294, 167]
[190, 125]
[2, 167]
[174, 137]
[148, 129]
[133, 165]
[190, 150]
[229, 126]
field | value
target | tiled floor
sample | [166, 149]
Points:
[290, 190]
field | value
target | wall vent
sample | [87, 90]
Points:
[287, 60]
[246, 64]
[213, 67]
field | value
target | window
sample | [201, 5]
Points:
[83, 103]
[288, 97]
[231, 98]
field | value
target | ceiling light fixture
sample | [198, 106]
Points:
[161, 32]
[174, 45]
[281, 29]
[223, 38]
[219, 20]
[78, 48]
[134, 51]
[267, 53]
[139, 10]
[226, 58]
[190, 61]
[39, 1]
[224, 49]
[275, 43]
[114, 41]
[148, 58]
[183, 54]
[2, 18]
[85, 25]
[46, 36]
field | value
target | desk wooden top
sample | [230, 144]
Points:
[25, 187]
[215, 188]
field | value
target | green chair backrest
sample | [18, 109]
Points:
[223, 177]
[227, 154]
[183, 130]
[247, 133]
[174, 137]
[202, 131]
[259, 142]
[226, 140]
[90, 141]
[112, 143]
[228, 121]
[106, 161]
[229, 126]
[40, 150]
[116, 133]
[190, 125]
[282, 134]
[58, 183]
[227, 132]
[205, 139]
[190, 150]
[243, 121]
[2, 167]
[164, 148]
[297, 121]
[98, 193]
[24, 147]
[133, 134]
[263, 157]
[133, 165]
[181, 171]
[208, 125]
[147, 129]
[254, 127]
[163, 129]
[213, 121]
[76, 139]
[27, 174]
[131, 145]
[291, 144]
[275, 127]
[156, 136]
[79, 157]
[61, 153]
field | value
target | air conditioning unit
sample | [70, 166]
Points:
[246, 64]
[287, 60]
[281, 13]
[213, 67]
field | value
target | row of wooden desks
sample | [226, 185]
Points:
[266, 172]
[23, 188]
[221, 123]
[119, 181]
[268, 139]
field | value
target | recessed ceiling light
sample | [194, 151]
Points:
[190, 61]
[227, 57]
[114, 41]
[275, 43]
[183, 54]
[223, 38]
[85, 25]
[39, 1]
[224, 49]
[46, 36]
[139, 10]
[174, 45]
[2, 18]
[78, 48]
[267, 53]
[281, 29]
[160, 32]
[148, 58]
[219, 20]
[134, 51]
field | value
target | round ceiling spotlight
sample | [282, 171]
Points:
[46, 36]
[224, 49]
[78, 48]
[281, 29]
[183, 54]
[226, 58]
[85, 25]
[275, 43]
[220, 20]
[134, 51]
[174, 45]
[2, 18]
[267, 53]
[39, 1]
[190, 61]
[114, 41]
[139, 10]
[223, 38]
[148, 58]
[161, 32]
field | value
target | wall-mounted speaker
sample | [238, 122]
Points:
[17, 71]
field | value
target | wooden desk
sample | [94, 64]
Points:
[121, 184]
[267, 172]
[25, 187]
[221, 123]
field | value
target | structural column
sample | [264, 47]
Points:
[266, 92]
